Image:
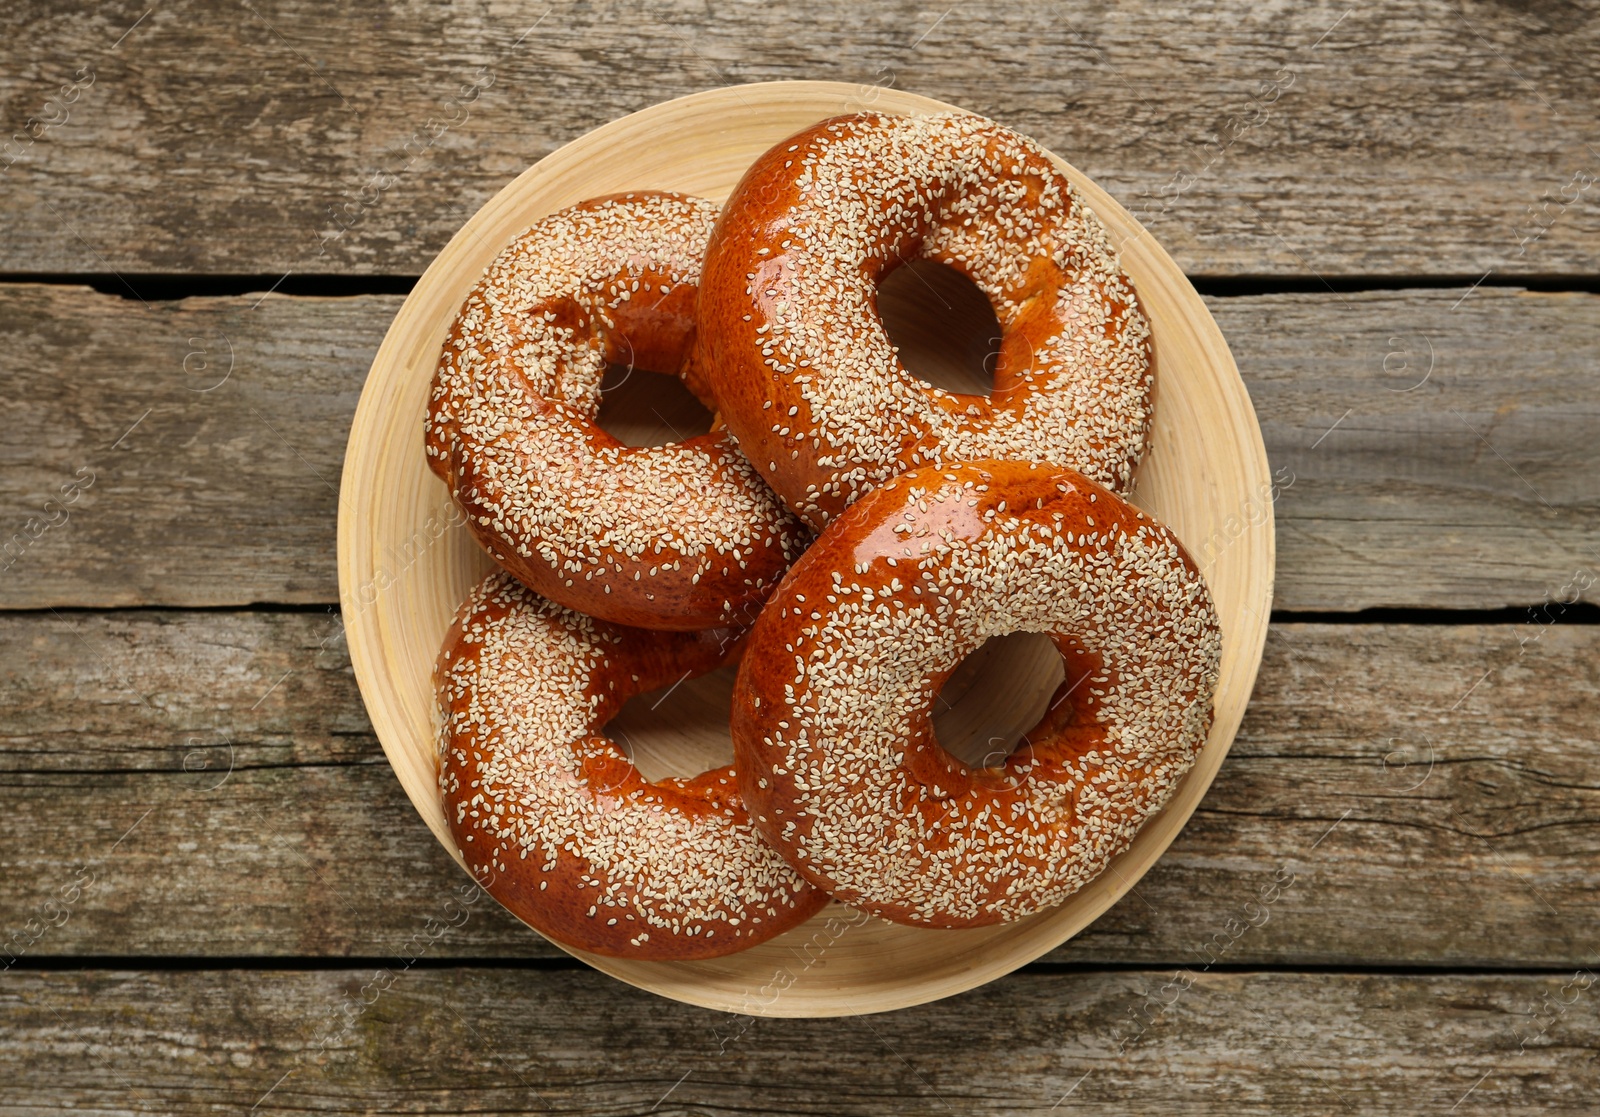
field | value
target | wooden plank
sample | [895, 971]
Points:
[210, 782]
[507, 1041]
[1440, 444]
[204, 437]
[1402, 139]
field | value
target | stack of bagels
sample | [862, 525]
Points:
[846, 533]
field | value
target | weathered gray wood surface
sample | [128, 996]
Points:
[575, 1042]
[206, 865]
[1440, 444]
[1434, 789]
[1402, 139]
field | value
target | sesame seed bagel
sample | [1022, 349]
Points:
[682, 536]
[792, 343]
[833, 737]
[554, 819]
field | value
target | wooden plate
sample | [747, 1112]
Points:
[406, 561]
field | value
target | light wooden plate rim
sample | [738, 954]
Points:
[393, 587]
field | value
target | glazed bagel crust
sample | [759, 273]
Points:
[796, 353]
[683, 536]
[832, 731]
[555, 821]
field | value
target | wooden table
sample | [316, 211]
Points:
[217, 897]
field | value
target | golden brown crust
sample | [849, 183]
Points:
[683, 536]
[808, 380]
[555, 821]
[832, 730]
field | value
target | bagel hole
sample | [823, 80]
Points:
[642, 408]
[680, 729]
[995, 696]
[943, 326]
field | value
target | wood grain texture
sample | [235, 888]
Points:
[211, 432]
[477, 1040]
[1406, 139]
[1433, 791]
[1441, 443]
[1441, 448]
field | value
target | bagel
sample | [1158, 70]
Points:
[834, 743]
[682, 536]
[552, 817]
[796, 354]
